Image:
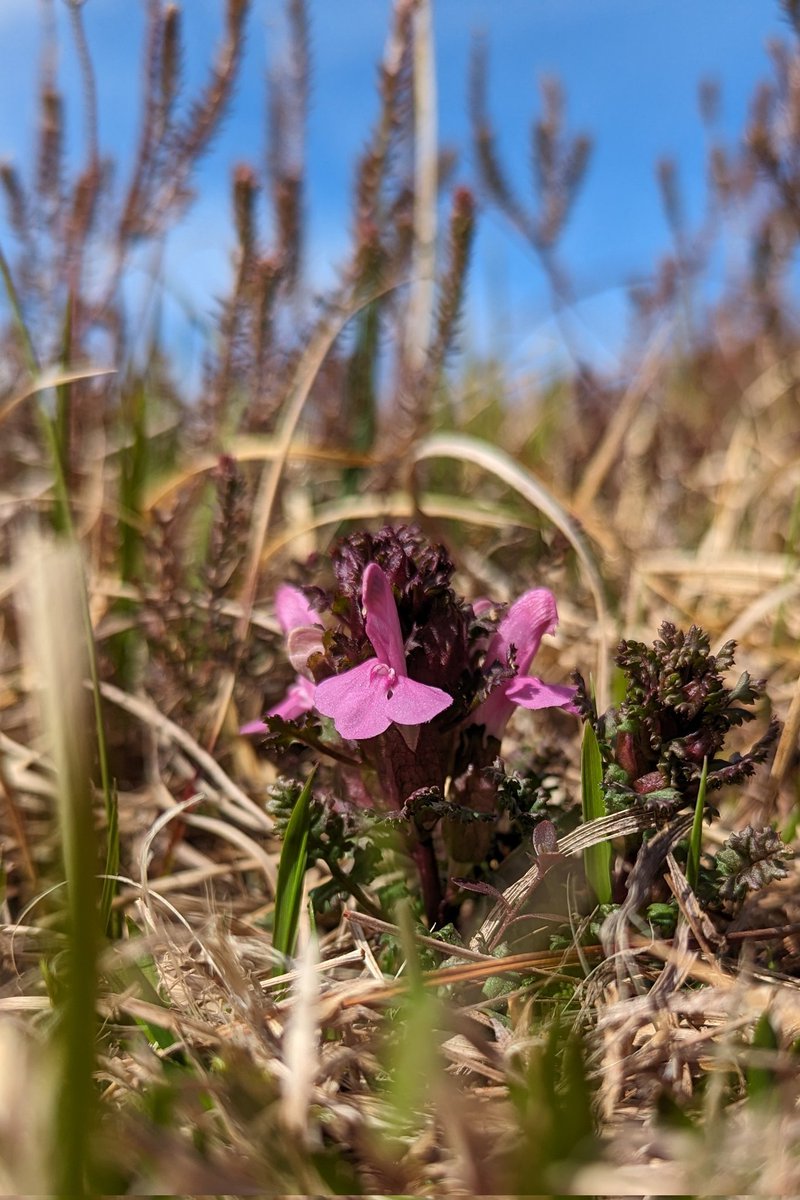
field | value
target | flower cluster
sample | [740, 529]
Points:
[419, 683]
[371, 667]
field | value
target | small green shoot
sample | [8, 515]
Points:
[291, 873]
[413, 1064]
[761, 1079]
[597, 859]
[696, 838]
[552, 1099]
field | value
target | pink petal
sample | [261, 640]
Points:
[494, 712]
[253, 727]
[292, 609]
[523, 626]
[413, 703]
[382, 621]
[356, 700]
[531, 692]
[299, 699]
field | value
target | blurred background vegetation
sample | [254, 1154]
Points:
[182, 481]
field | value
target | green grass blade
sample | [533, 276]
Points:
[62, 518]
[696, 837]
[551, 1099]
[62, 419]
[760, 1079]
[109, 919]
[126, 646]
[31, 358]
[107, 787]
[597, 859]
[291, 873]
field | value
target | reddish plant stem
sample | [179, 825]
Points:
[425, 859]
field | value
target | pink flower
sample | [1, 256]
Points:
[298, 700]
[364, 701]
[523, 627]
[292, 609]
[303, 632]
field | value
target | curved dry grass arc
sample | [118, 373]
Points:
[52, 377]
[251, 448]
[496, 462]
[395, 504]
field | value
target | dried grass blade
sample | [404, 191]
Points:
[788, 740]
[52, 377]
[146, 712]
[51, 610]
[468, 449]
[300, 1041]
[696, 836]
[398, 504]
[249, 448]
[609, 450]
[419, 325]
[307, 371]
[697, 920]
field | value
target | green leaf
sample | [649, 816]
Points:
[696, 838]
[552, 1102]
[664, 915]
[291, 872]
[761, 1080]
[597, 859]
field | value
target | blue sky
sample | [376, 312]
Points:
[630, 68]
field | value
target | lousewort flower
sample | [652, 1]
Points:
[421, 682]
[364, 701]
[517, 640]
[303, 633]
[507, 657]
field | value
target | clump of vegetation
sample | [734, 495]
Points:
[676, 714]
